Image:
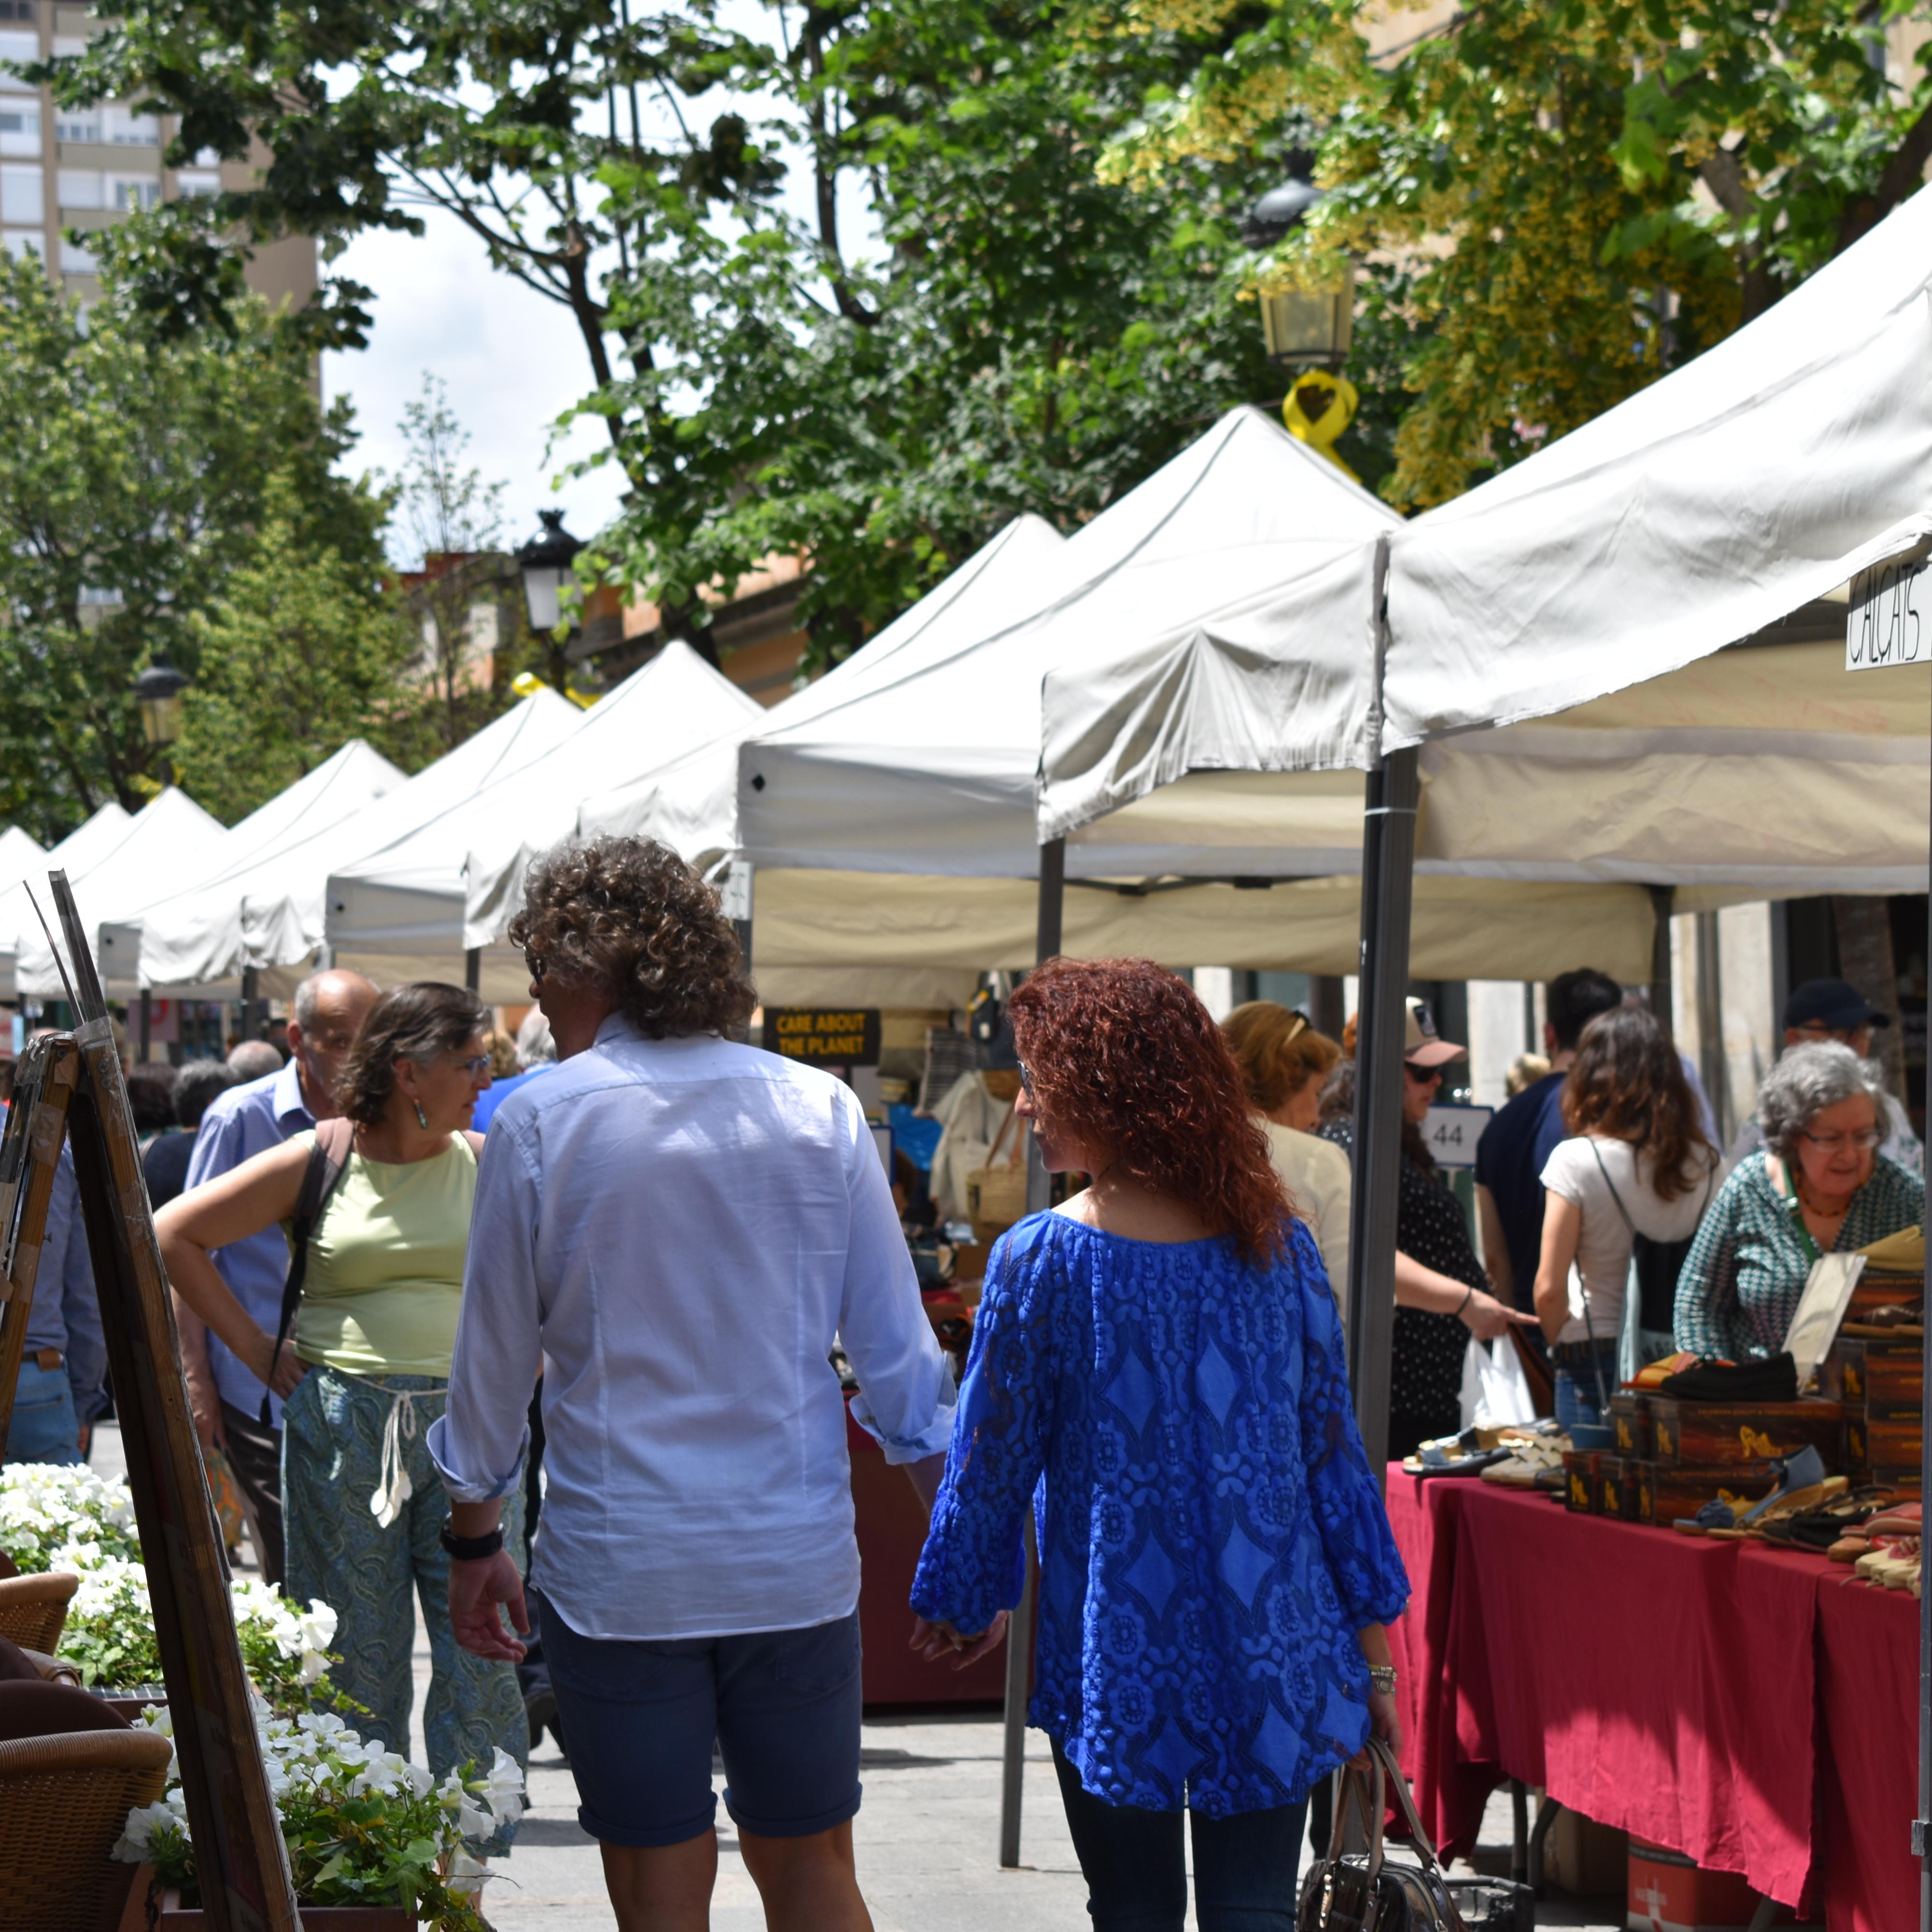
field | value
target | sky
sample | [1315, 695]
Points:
[511, 362]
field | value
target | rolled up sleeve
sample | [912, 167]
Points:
[906, 1395]
[478, 1443]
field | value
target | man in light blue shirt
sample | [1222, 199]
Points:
[64, 1368]
[245, 1121]
[677, 1227]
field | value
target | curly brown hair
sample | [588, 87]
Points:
[1278, 1052]
[1628, 1084]
[629, 915]
[1122, 1055]
[425, 1020]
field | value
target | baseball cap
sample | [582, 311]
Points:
[1834, 1004]
[1420, 1042]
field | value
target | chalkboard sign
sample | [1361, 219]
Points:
[825, 1036]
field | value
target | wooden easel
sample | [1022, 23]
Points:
[71, 1085]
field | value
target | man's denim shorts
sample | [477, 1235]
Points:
[639, 1718]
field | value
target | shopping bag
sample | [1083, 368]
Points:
[1495, 1392]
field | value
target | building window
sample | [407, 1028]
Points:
[22, 194]
[19, 129]
[82, 125]
[19, 242]
[191, 180]
[134, 191]
[124, 128]
[18, 10]
[81, 187]
[76, 260]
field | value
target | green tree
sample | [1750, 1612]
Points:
[1009, 332]
[134, 470]
[1562, 201]
[302, 649]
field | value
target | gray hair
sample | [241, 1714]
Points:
[535, 1046]
[254, 1059]
[308, 994]
[1805, 1080]
[197, 1082]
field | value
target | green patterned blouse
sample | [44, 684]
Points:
[1745, 1273]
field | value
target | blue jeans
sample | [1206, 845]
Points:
[1133, 1860]
[44, 1429]
[1576, 1387]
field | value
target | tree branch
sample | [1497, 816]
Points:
[1903, 173]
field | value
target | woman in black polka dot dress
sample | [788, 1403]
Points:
[1440, 1289]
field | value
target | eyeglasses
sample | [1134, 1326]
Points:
[1864, 1140]
[1423, 1076]
[477, 1067]
[1026, 1078]
[533, 964]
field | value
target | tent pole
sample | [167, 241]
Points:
[473, 970]
[1922, 1824]
[1019, 1626]
[251, 981]
[147, 1022]
[1663, 899]
[1388, 866]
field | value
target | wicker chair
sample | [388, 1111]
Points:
[33, 1609]
[63, 1803]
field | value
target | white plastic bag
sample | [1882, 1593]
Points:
[1496, 1391]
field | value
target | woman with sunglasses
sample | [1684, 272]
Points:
[364, 1369]
[1819, 1186]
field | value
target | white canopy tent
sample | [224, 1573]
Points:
[449, 886]
[169, 831]
[22, 857]
[1585, 590]
[262, 905]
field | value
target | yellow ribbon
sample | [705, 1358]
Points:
[1318, 408]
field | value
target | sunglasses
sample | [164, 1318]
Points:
[533, 964]
[1423, 1076]
[1026, 1080]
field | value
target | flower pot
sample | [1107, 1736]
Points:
[176, 1917]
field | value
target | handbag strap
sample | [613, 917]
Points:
[992, 1153]
[327, 1159]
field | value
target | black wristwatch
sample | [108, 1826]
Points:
[472, 1549]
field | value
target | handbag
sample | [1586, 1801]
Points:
[996, 1194]
[1372, 1892]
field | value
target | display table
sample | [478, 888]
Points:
[1720, 1698]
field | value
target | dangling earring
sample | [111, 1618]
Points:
[422, 1119]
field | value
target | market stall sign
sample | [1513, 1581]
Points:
[826, 1036]
[1884, 621]
[1451, 1133]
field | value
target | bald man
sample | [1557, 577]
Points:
[247, 1121]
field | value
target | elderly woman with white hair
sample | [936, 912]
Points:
[1820, 1186]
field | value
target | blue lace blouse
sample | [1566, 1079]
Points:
[1210, 1537]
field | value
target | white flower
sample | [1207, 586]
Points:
[503, 1788]
[467, 1875]
[131, 1847]
[318, 1625]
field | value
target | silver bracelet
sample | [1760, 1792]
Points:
[1381, 1676]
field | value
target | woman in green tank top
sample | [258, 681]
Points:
[365, 1369]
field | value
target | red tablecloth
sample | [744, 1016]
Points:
[1716, 1697]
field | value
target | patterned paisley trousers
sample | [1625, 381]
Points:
[333, 1430]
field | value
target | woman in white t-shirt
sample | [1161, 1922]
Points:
[1637, 1163]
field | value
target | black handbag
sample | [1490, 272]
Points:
[1370, 1891]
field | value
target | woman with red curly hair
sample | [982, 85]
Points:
[1160, 1356]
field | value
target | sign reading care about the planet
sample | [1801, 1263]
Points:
[826, 1036]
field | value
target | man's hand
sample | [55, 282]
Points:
[934, 1641]
[477, 1590]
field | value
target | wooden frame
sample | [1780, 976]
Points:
[76, 1082]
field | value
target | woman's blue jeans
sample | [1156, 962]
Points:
[1245, 1867]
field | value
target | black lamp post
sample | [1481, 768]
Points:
[158, 692]
[545, 562]
[1304, 327]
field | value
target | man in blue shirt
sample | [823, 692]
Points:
[247, 1121]
[64, 1368]
[1510, 1156]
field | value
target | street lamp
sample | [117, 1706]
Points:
[1309, 328]
[158, 692]
[545, 562]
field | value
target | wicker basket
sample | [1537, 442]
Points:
[33, 1609]
[63, 1803]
